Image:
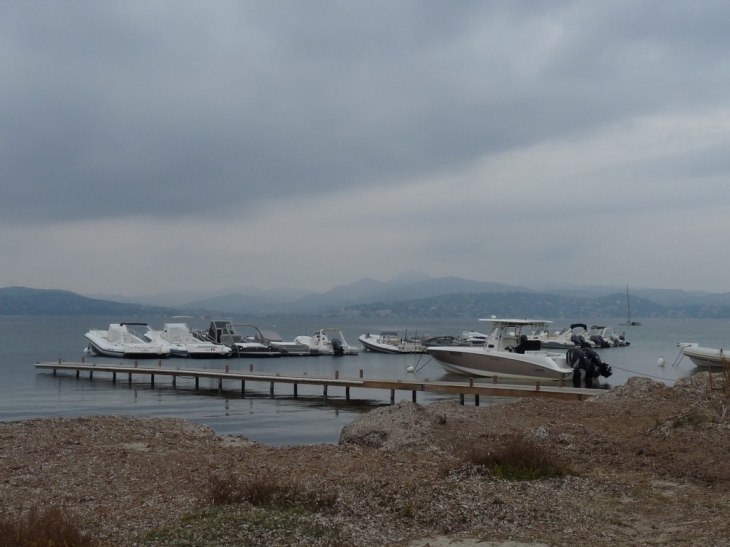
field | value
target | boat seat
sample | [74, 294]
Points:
[527, 345]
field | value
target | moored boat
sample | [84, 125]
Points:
[121, 341]
[183, 343]
[507, 352]
[241, 344]
[388, 341]
[703, 357]
[327, 341]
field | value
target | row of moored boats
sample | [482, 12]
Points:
[221, 339]
[512, 348]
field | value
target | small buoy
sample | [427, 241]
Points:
[661, 362]
[410, 368]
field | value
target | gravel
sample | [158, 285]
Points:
[649, 466]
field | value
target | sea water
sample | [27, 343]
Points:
[27, 392]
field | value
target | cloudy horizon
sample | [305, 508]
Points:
[184, 146]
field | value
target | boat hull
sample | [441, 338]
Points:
[480, 362]
[703, 357]
[127, 352]
[371, 343]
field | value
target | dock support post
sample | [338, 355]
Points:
[271, 388]
[220, 385]
[250, 367]
[347, 393]
[114, 377]
[91, 375]
[324, 392]
[461, 399]
[54, 371]
[537, 385]
[476, 400]
[130, 379]
[83, 358]
[414, 396]
[78, 372]
[174, 381]
[471, 382]
[392, 396]
[296, 391]
[243, 389]
[152, 381]
[197, 383]
[360, 373]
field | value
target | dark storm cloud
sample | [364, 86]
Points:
[113, 109]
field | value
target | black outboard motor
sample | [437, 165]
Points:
[337, 347]
[579, 341]
[578, 361]
[599, 341]
[599, 367]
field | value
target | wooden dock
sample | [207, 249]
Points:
[229, 375]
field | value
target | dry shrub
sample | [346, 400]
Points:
[518, 458]
[726, 376]
[50, 527]
[267, 491]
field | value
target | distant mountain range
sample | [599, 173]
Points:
[408, 295]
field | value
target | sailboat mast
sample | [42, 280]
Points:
[628, 303]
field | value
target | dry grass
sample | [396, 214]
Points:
[518, 458]
[726, 376]
[50, 527]
[266, 492]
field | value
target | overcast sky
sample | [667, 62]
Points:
[176, 145]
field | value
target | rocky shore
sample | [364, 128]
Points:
[648, 465]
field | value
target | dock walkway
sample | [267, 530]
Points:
[468, 387]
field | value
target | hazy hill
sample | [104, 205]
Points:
[511, 304]
[25, 301]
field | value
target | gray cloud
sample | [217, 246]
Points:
[482, 121]
[169, 108]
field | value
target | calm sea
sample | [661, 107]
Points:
[28, 393]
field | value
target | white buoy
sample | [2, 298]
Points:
[410, 368]
[661, 362]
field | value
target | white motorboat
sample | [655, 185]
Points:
[183, 343]
[703, 357]
[120, 341]
[242, 345]
[472, 338]
[507, 352]
[274, 340]
[552, 340]
[327, 341]
[388, 341]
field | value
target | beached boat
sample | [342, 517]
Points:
[507, 352]
[121, 341]
[327, 341]
[388, 341]
[703, 357]
[183, 343]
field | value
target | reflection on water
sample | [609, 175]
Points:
[308, 418]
